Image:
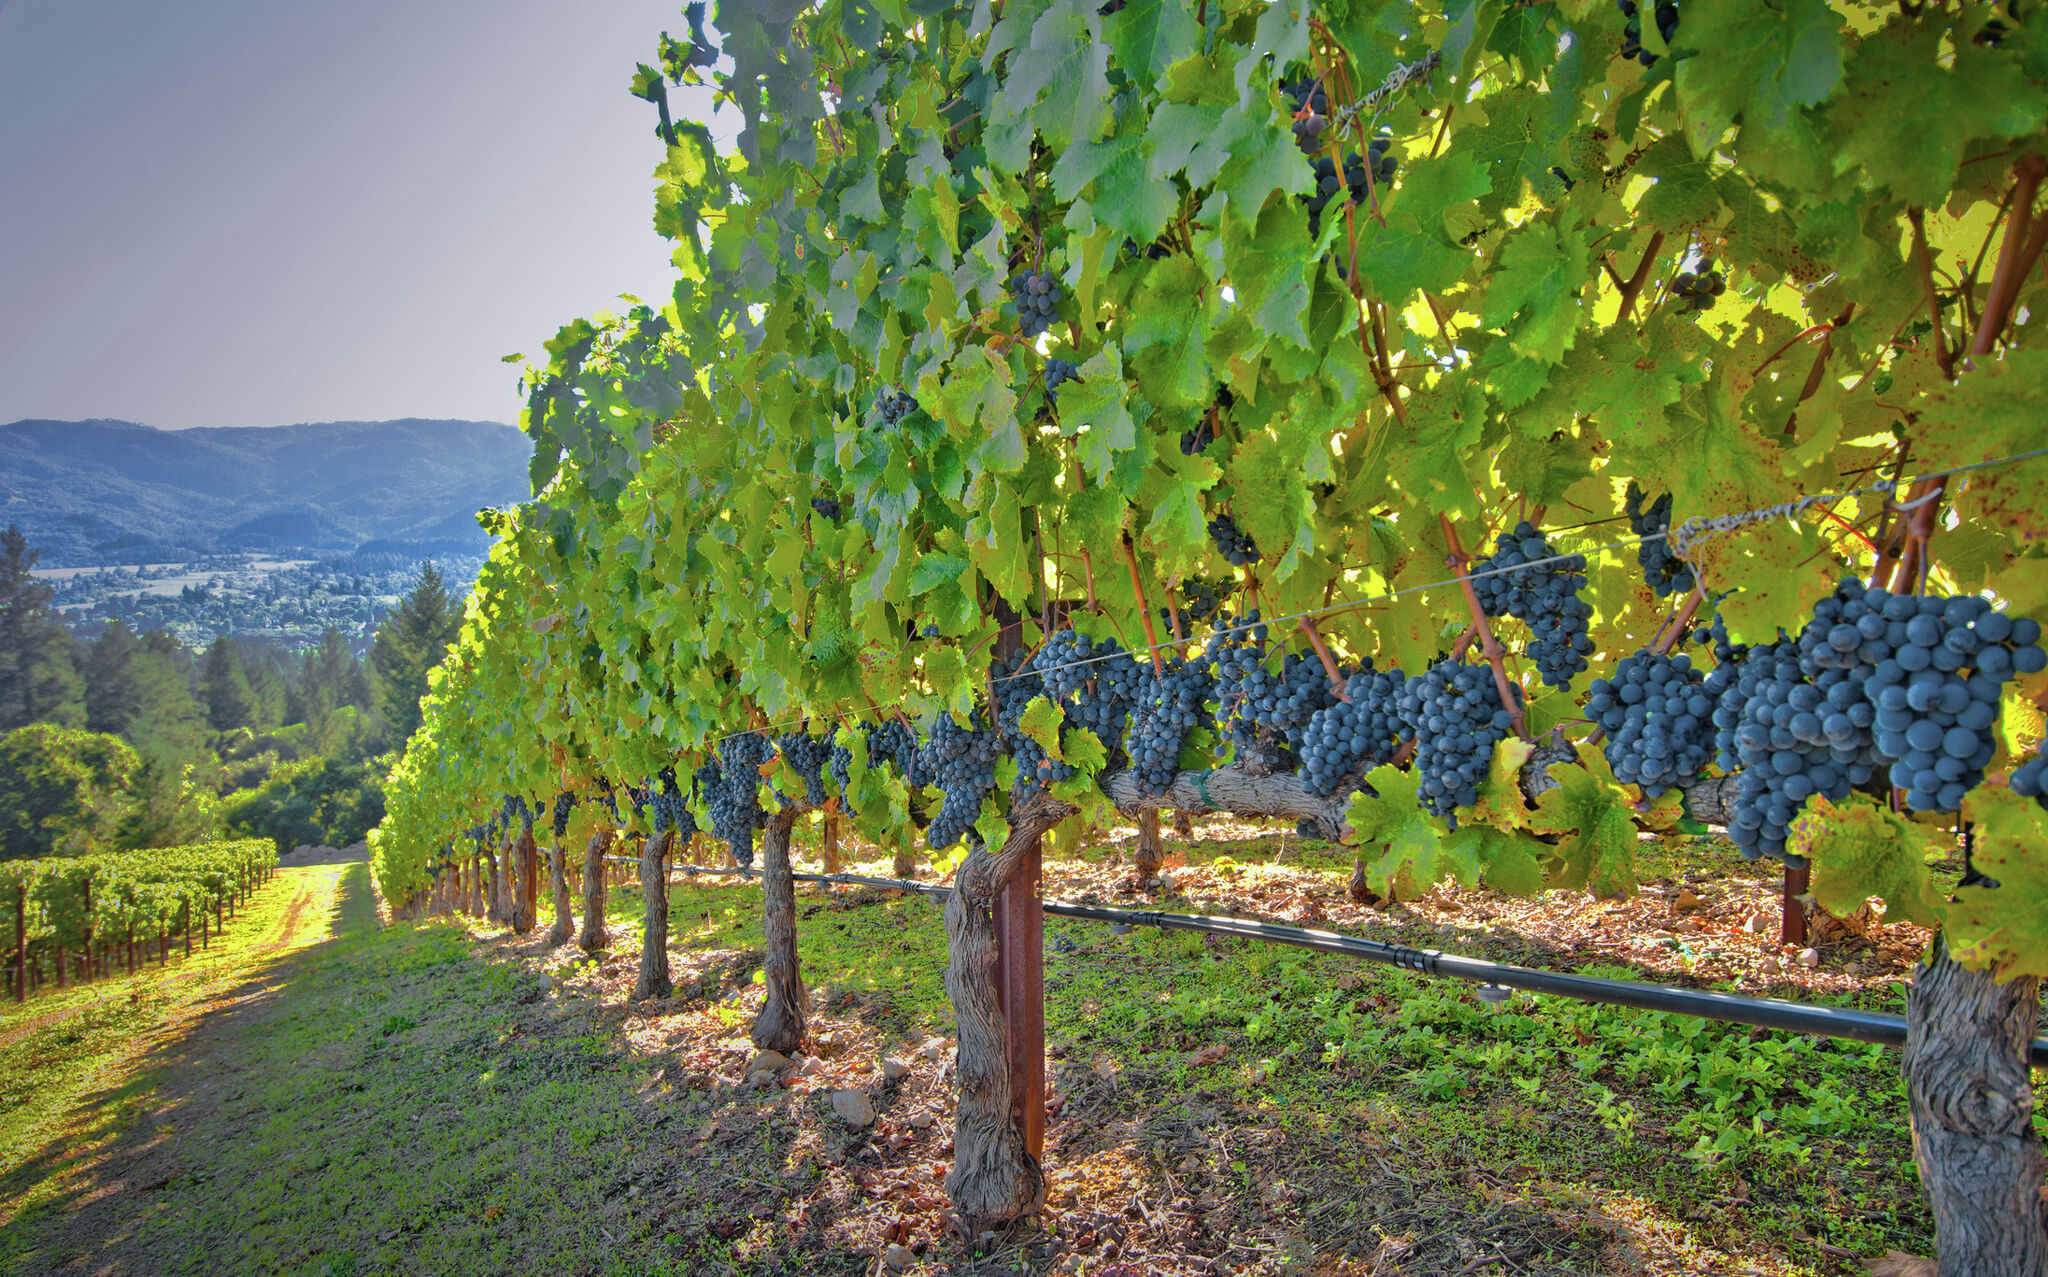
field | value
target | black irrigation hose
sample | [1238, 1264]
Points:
[1768, 1013]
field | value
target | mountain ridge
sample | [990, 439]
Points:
[104, 490]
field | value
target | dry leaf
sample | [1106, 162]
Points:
[1208, 1055]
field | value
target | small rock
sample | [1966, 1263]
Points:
[760, 1081]
[899, 1257]
[1686, 901]
[1686, 926]
[633, 1191]
[770, 1062]
[921, 1121]
[811, 1067]
[934, 1049]
[1809, 957]
[825, 1044]
[1167, 882]
[894, 1069]
[1756, 924]
[1854, 968]
[853, 1107]
[546, 982]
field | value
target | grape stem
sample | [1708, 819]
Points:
[1633, 286]
[2025, 239]
[1144, 607]
[1488, 644]
[1923, 260]
[1315, 640]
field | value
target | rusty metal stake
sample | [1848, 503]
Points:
[1792, 914]
[1020, 978]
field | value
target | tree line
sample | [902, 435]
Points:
[126, 739]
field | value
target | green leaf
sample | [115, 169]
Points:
[1915, 101]
[1762, 63]
[1589, 810]
[1856, 849]
[1414, 251]
[1169, 322]
[2004, 928]
[1271, 261]
[1388, 814]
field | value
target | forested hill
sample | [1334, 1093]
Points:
[102, 491]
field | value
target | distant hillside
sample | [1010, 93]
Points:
[92, 492]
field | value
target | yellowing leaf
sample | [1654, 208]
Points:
[1857, 849]
[2004, 928]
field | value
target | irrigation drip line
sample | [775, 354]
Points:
[1769, 1013]
[1682, 538]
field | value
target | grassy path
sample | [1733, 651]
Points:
[79, 1047]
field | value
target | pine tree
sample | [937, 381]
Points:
[38, 679]
[412, 641]
[229, 701]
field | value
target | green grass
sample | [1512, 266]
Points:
[65, 1045]
[407, 1100]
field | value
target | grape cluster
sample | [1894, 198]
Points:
[1311, 114]
[1347, 739]
[2030, 779]
[894, 405]
[670, 811]
[1543, 595]
[1658, 718]
[732, 790]
[1457, 716]
[1942, 667]
[1264, 710]
[808, 755]
[1231, 543]
[1664, 570]
[1038, 300]
[1019, 681]
[827, 506]
[1170, 706]
[896, 745]
[564, 804]
[1193, 441]
[1666, 13]
[961, 761]
[1696, 289]
[1057, 373]
[1201, 598]
[1094, 681]
[1379, 161]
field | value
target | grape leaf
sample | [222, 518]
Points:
[1589, 809]
[2004, 928]
[1856, 849]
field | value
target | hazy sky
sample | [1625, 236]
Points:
[247, 213]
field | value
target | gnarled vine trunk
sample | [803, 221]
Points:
[565, 924]
[1151, 849]
[524, 907]
[593, 936]
[653, 981]
[494, 893]
[780, 1025]
[994, 1179]
[1972, 1104]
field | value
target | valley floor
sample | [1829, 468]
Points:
[327, 1095]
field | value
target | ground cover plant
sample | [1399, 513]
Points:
[1000, 327]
